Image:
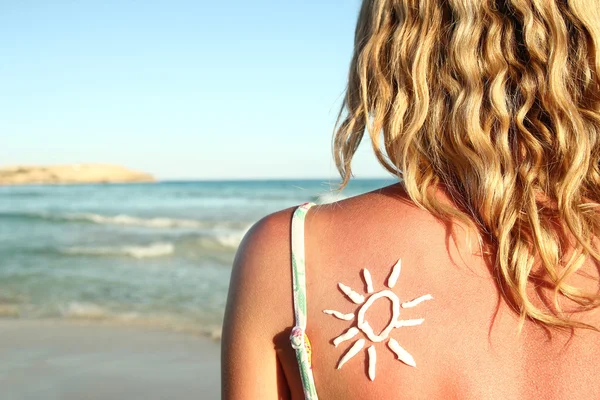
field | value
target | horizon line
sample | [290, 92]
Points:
[232, 179]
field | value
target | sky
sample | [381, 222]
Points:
[183, 89]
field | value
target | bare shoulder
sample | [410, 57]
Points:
[265, 240]
[258, 308]
[259, 269]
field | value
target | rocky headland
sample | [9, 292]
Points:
[71, 174]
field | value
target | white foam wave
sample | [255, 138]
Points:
[128, 220]
[84, 311]
[151, 250]
[231, 239]
[215, 333]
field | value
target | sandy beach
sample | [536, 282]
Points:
[52, 360]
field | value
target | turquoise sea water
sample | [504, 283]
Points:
[149, 254]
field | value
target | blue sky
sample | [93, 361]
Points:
[182, 89]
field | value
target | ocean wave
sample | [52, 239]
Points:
[120, 219]
[148, 251]
[128, 220]
[77, 310]
[232, 239]
[132, 221]
[19, 194]
[224, 241]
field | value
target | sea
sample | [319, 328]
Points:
[155, 255]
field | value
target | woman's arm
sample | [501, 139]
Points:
[256, 312]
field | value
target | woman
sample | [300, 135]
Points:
[476, 276]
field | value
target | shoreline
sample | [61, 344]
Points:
[58, 359]
[97, 317]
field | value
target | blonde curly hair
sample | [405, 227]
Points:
[497, 101]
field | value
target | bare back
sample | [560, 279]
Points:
[468, 345]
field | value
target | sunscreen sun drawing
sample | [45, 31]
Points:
[363, 326]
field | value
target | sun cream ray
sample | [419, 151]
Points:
[368, 280]
[356, 347]
[409, 322]
[349, 334]
[372, 362]
[393, 278]
[417, 301]
[402, 354]
[339, 315]
[352, 295]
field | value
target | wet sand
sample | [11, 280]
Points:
[73, 361]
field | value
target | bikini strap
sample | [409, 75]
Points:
[298, 337]
[299, 264]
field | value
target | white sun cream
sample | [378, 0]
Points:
[368, 280]
[417, 301]
[364, 325]
[372, 362]
[409, 322]
[352, 295]
[339, 315]
[401, 354]
[356, 347]
[395, 274]
[349, 334]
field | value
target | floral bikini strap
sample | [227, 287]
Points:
[298, 337]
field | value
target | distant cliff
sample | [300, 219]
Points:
[76, 173]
